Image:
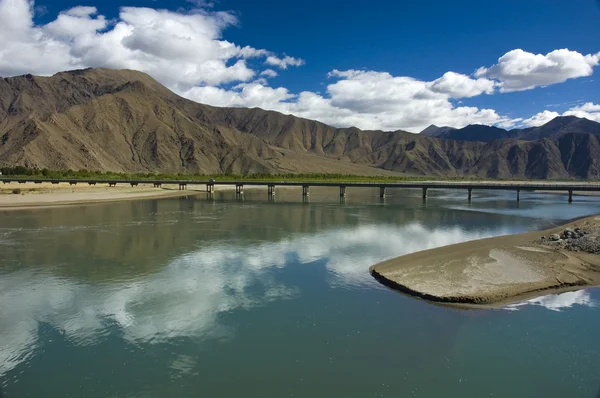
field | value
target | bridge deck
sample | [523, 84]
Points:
[524, 186]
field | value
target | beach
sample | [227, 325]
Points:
[500, 270]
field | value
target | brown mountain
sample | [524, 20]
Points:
[101, 119]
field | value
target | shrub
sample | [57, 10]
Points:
[16, 191]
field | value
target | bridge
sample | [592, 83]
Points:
[567, 187]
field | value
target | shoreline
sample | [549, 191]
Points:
[47, 196]
[493, 272]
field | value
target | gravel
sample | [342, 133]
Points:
[578, 240]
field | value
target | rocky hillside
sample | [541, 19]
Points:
[101, 119]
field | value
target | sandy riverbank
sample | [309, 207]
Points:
[499, 270]
[43, 195]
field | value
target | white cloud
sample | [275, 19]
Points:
[180, 49]
[589, 111]
[284, 62]
[518, 70]
[457, 85]
[540, 119]
[365, 99]
[269, 73]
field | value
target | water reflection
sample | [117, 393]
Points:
[186, 296]
[558, 302]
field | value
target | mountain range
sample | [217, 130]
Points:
[125, 121]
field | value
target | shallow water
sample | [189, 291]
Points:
[222, 297]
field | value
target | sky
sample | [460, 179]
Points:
[376, 65]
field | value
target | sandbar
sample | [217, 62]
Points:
[502, 269]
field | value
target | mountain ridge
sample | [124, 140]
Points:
[124, 120]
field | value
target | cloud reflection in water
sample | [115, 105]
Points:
[185, 298]
[557, 302]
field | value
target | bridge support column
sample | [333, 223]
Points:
[382, 192]
[112, 184]
[70, 182]
[92, 183]
[239, 189]
[342, 191]
[570, 196]
[157, 185]
[182, 186]
[518, 195]
[470, 194]
[134, 184]
[305, 190]
[271, 189]
[424, 193]
[210, 188]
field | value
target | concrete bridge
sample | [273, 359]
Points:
[425, 186]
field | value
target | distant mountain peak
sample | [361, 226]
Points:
[435, 131]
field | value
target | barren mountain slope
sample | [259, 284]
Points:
[123, 120]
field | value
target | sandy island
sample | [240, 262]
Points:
[25, 196]
[500, 270]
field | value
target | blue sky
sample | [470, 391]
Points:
[388, 55]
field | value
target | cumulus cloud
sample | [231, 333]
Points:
[365, 99]
[589, 111]
[519, 70]
[457, 85]
[284, 62]
[269, 73]
[540, 119]
[180, 49]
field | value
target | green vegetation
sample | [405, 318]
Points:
[24, 172]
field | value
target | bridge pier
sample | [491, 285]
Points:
[112, 184]
[470, 194]
[382, 192]
[53, 182]
[424, 193]
[135, 184]
[72, 182]
[518, 195]
[570, 196]
[239, 189]
[182, 186]
[342, 191]
[157, 185]
[92, 183]
[271, 189]
[210, 188]
[305, 190]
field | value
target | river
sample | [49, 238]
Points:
[220, 297]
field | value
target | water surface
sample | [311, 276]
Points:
[212, 297]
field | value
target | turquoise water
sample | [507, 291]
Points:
[226, 298]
